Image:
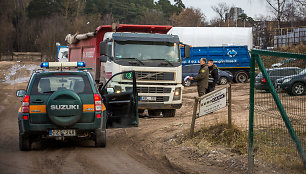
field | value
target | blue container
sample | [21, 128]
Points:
[233, 59]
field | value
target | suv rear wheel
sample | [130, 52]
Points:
[100, 138]
[24, 142]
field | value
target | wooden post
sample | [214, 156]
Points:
[195, 107]
[229, 106]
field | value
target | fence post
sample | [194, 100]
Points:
[251, 117]
[229, 110]
[195, 107]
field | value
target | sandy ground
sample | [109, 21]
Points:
[148, 148]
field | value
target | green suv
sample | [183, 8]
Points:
[66, 104]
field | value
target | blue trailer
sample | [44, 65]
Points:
[232, 59]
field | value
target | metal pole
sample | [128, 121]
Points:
[229, 106]
[195, 107]
[251, 117]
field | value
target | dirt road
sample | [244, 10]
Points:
[149, 148]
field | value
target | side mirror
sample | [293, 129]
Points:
[20, 93]
[186, 51]
[103, 58]
[103, 48]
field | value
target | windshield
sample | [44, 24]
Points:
[147, 50]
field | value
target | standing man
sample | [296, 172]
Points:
[213, 76]
[202, 78]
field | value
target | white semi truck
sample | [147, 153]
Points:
[148, 50]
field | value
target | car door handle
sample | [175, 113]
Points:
[38, 101]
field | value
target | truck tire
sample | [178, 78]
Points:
[154, 112]
[241, 77]
[100, 138]
[169, 112]
[25, 142]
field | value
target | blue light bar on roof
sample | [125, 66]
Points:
[44, 65]
[62, 64]
[81, 64]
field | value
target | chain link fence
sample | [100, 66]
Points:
[277, 129]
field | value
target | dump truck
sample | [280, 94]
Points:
[148, 50]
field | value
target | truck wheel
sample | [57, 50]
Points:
[24, 142]
[154, 112]
[100, 138]
[241, 77]
[140, 111]
[169, 112]
[297, 89]
[187, 83]
[223, 80]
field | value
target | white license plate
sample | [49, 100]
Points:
[145, 98]
[65, 132]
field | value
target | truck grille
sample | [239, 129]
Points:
[153, 90]
[144, 75]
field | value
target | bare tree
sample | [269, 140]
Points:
[278, 7]
[189, 17]
[221, 9]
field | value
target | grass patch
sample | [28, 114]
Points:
[232, 138]
[274, 150]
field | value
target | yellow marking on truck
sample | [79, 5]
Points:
[88, 108]
[37, 108]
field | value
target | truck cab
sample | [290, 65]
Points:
[146, 49]
[155, 58]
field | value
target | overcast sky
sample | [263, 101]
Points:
[253, 8]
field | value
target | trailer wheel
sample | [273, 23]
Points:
[241, 77]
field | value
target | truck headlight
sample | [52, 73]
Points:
[177, 94]
[118, 89]
[286, 80]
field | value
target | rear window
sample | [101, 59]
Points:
[49, 84]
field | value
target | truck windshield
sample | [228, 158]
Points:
[147, 50]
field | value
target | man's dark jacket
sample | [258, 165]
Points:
[202, 79]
